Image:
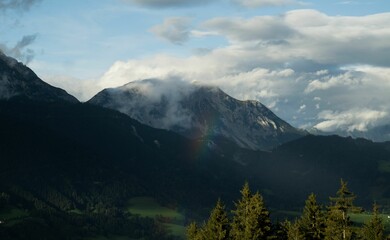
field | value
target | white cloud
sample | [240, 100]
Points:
[376, 76]
[351, 120]
[265, 3]
[302, 108]
[322, 72]
[171, 90]
[168, 3]
[216, 68]
[312, 36]
[261, 28]
[173, 29]
[344, 79]
[200, 34]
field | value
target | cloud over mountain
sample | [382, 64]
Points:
[21, 50]
[198, 111]
[286, 61]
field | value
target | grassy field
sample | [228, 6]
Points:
[149, 207]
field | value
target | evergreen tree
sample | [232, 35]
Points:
[280, 230]
[312, 222]
[338, 223]
[217, 227]
[251, 218]
[193, 232]
[294, 231]
[373, 229]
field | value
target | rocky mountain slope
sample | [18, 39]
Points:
[199, 112]
[17, 80]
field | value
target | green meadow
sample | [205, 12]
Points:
[149, 207]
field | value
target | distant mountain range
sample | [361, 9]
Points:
[68, 169]
[377, 134]
[198, 111]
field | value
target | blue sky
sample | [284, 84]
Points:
[323, 64]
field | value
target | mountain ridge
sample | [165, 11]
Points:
[18, 80]
[379, 133]
[198, 111]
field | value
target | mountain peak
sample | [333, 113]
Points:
[198, 111]
[17, 80]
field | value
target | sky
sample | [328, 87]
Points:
[315, 63]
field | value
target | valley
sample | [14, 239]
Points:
[72, 170]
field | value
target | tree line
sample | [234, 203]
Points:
[251, 220]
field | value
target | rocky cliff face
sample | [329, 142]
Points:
[199, 112]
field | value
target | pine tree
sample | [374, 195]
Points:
[193, 232]
[217, 227]
[241, 214]
[312, 222]
[373, 229]
[338, 223]
[294, 231]
[280, 230]
[251, 218]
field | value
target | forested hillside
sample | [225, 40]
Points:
[250, 219]
[70, 169]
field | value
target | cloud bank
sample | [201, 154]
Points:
[351, 120]
[312, 69]
[311, 35]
